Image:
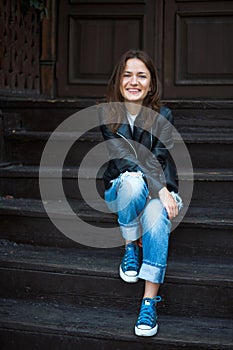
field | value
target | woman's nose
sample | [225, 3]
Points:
[134, 80]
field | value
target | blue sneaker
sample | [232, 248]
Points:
[130, 264]
[147, 325]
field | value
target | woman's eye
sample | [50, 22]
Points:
[127, 75]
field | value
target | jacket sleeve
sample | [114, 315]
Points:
[160, 152]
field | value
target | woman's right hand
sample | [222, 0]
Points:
[168, 202]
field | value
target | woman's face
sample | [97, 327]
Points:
[136, 81]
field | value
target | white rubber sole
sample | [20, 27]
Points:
[128, 279]
[146, 332]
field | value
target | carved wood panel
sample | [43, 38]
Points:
[190, 41]
[93, 35]
[19, 51]
[198, 52]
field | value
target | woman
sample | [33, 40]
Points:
[140, 178]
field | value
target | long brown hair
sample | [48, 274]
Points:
[152, 99]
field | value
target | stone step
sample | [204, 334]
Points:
[204, 231]
[68, 275]
[207, 150]
[25, 324]
[23, 182]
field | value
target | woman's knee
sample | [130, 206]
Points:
[154, 207]
[155, 217]
[133, 187]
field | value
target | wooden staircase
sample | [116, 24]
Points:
[56, 293]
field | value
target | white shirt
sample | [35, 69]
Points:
[131, 119]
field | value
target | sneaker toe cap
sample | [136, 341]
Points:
[131, 273]
[143, 327]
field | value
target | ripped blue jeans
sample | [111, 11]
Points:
[140, 216]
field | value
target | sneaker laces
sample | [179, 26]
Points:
[131, 257]
[148, 314]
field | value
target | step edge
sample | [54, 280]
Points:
[22, 261]
[32, 171]
[188, 137]
[18, 209]
[111, 335]
[170, 278]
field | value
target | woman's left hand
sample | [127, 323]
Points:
[168, 202]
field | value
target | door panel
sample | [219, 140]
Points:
[93, 35]
[190, 41]
[198, 53]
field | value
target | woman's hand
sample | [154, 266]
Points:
[168, 202]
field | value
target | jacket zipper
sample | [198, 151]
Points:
[151, 139]
[128, 143]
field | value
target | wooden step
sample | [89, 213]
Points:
[56, 293]
[40, 114]
[28, 324]
[23, 181]
[27, 146]
[68, 275]
[202, 232]
[46, 114]
[35, 207]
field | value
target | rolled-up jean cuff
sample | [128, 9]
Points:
[154, 274]
[130, 233]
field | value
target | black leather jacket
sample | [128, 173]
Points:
[143, 151]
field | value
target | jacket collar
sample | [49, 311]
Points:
[125, 130]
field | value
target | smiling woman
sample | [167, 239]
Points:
[140, 179]
[136, 72]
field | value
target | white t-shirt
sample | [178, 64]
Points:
[131, 119]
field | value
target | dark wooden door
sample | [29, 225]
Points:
[93, 35]
[190, 41]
